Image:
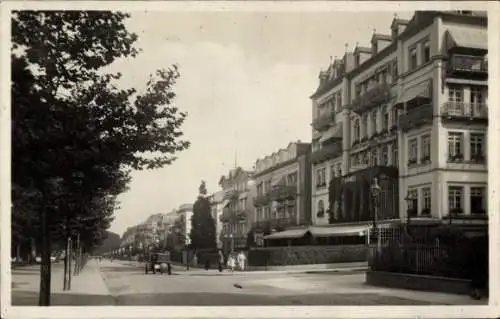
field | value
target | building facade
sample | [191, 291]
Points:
[217, 204]
[283, 185]
[408, 114]
[239, 190]
[185, 212]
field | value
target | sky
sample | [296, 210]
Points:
[246, 78]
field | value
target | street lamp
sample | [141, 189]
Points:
[375, 190]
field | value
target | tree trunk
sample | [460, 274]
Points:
[77, 255]
[18, 252]
[33, 250]
[70, 257]
[66, 262]
[45, 275]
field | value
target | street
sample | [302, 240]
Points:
[124, 283]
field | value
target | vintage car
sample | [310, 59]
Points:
[158, 262]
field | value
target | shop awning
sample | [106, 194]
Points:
[338, 231]
[467, 38]
[288, 234]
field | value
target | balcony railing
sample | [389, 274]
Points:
[468, 66]
[261, 200]
[233, 215]
[283, 192]
[326, 152]
[231, 194]
[459, 111]
[275, 222]
[323, 121]
[416, 117]
[373, 97]
[335, 133]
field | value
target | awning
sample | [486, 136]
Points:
[467, 38]
[333, 132]
[338, 231]
[288, 234]
[421, 91]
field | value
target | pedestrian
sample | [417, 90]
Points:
[231, 262]
[220, 259]
[242, 260]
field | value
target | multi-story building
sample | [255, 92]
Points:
[239, 190]
[185, 212]
[217, 204]
[408, 114]
[283, 183]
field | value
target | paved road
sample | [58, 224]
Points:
[124, 283]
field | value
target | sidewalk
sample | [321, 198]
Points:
[88, 288]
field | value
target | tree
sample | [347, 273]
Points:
[76, 135]
[202, 223]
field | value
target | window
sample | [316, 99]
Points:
[477, 146]
[476, 98]
[357, 91]
[426, 51]
[455, 194]
[412, 202]
[385, 121]
[320, 178]
[426, 194]
[455, 94]
[385, 155]
[412, 151]
[426, 149]
[366, 158]
[455, 146]
[332, 171]
[394, 71]
[374, 157]
[395, 154]
[339, 102]
[477, 200]
[374, 122]
[259, 189]
[339, 169]
[413, 58]
[356, 130]
[267, 187]
[365, 125]
[395, 116]
[321, 209]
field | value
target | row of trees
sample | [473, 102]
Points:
[75, 134]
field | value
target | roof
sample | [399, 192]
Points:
[460, 37]
[351, 230]
[288, 234]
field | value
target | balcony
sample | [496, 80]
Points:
[231, 194]
[283, 192]
[232, 215]
[464, 112]
[334, 134]
[261, 200]
[326, 152]
[283, 222]
[323, 121]
[416, 117]
[373, 97]
[470, 67]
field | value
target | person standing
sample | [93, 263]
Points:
[220, 259]
[242, 260]
[231, 262]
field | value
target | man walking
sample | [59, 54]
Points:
[242, 260]
[220, 259]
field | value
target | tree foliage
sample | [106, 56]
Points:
[73, 125]
[203, 230]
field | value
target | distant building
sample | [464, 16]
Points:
[283, 183]
[217, 204]
[239, 190]
[185, 212]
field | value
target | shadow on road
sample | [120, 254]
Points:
[25, 298]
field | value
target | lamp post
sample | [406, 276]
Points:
[231, 237]
[375, 190]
